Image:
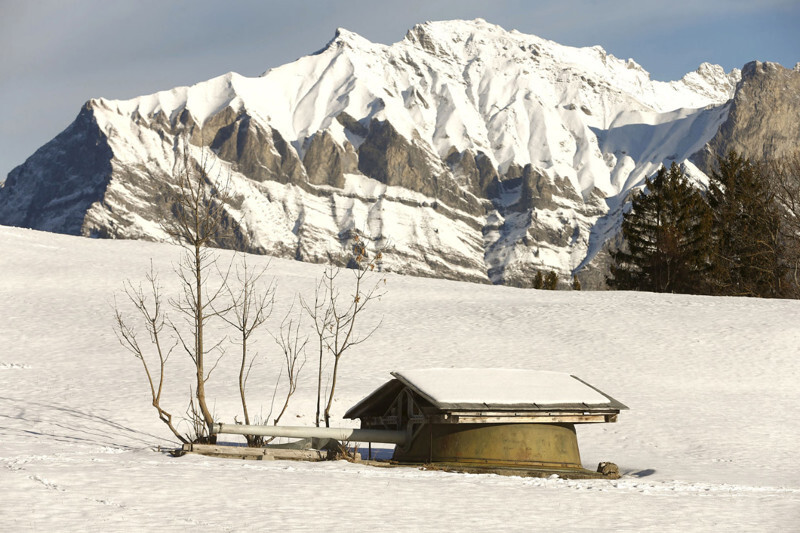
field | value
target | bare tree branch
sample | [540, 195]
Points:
[335, 317]
[293, 346]
[154, 320]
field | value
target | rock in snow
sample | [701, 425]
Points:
[467, 151]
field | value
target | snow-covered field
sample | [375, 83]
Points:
[710, 442]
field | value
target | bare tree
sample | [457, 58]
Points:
[293, 345]
[199, 195]
[236, 296]
[250, 308]
[335, 316]
[320, 314]
[153, 315]
[197, 221]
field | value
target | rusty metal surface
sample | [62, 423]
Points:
[533, 445]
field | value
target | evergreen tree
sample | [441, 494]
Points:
[748, 251]
[576, 284]
[784, 174]
[551, 281]
[538, 281]
[667, 238]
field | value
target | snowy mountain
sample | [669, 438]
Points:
[467, 151]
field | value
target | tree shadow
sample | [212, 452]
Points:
[69, 425]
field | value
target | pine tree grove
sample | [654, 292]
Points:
[740, 239]
[748, 250]
[667, 238]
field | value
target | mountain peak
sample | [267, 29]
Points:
[450, 37]
[344, 38]
[343, 34]
[757, 67]
[458, 26]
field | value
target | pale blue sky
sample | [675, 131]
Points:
[56, 54]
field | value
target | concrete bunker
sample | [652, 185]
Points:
[486, 417]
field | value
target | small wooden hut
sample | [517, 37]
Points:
[486, 417]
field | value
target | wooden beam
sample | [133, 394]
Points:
[258, 454]
[505, 419]
[551, 412]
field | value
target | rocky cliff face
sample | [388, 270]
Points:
[764, 117]
[466, 151]
[55, 187]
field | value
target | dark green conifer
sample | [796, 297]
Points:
[667, 238]
[538, 280]
[551, 281]
[747, 229]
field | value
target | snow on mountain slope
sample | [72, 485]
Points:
[706, 445]
[458, 84]
[511, 146]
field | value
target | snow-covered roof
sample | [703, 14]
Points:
[499, 386]
[492, 389]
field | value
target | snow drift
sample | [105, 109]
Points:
[709, 442]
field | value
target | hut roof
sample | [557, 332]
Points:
[496, 389]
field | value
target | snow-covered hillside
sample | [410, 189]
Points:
[471, 151]
[463, 85]
[709, 443]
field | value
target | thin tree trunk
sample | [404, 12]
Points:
[201, 378]
[319, 382]
[241, 379]
[333, 389]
